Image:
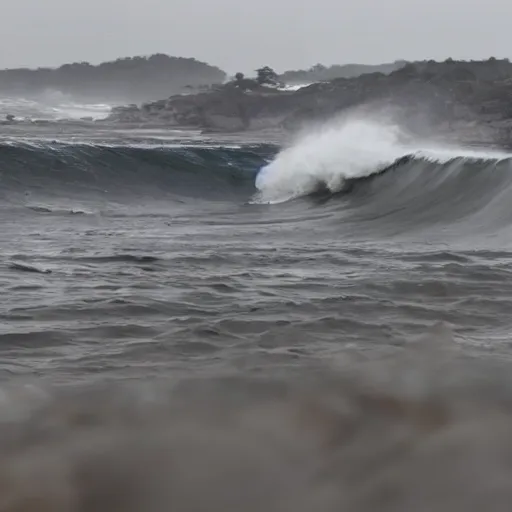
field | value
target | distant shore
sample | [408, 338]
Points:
[467, 101]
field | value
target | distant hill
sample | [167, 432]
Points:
[131, 79]
[321, 73]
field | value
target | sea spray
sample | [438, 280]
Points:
[328, 157]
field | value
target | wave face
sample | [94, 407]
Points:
[107, 170]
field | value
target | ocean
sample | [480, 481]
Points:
[195, 323]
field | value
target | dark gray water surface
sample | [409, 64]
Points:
[144, 262]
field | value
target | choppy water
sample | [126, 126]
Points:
[319, 327]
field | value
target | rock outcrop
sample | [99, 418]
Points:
[475, 96]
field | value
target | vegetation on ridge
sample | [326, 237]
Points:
[321, 73]
[265, 76]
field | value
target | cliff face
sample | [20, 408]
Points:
[421, 94]
[128, 79]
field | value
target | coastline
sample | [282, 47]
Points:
[467, 102]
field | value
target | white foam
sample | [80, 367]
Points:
[351, 148]
[337, 152]
[445, 154]
[294, 87]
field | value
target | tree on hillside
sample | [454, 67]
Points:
[320, 72]
[317, 68]
[243, 83]
[266, 75]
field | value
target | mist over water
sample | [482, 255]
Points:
[52, 106]
[200, 325]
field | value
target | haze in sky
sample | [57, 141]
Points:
[239, 35]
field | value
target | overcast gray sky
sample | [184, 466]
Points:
[244, 34]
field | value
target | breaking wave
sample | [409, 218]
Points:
[352, 151]
[365, 171]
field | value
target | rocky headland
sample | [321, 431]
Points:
[470, 98]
